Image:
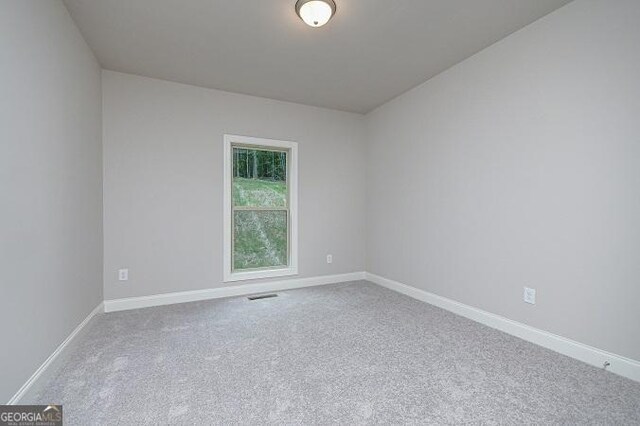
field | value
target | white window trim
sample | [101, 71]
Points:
[292, 160]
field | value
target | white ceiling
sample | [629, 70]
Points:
[370, 52]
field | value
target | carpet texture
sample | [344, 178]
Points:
[352, 353]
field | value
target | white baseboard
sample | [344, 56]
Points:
[216, 293]
[618, 364]
[41, 370]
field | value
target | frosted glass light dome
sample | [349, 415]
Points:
[315, 13]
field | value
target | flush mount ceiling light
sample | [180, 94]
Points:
[315, 13]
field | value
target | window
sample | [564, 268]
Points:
[260, 208]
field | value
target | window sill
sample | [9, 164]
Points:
[256, 275]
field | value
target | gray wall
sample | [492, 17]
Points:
[163, 146]
[50, 184]
[521, 166]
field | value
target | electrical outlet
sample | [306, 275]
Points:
[329, 258]
[530, 295]
[123, 274]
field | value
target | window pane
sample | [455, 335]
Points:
[260, 239]
[259, 178]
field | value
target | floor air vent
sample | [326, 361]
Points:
[262, 296]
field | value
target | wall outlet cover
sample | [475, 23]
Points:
[329, 258]
[530, 295]
[123, 274]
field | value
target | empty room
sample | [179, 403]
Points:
[320, 212]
